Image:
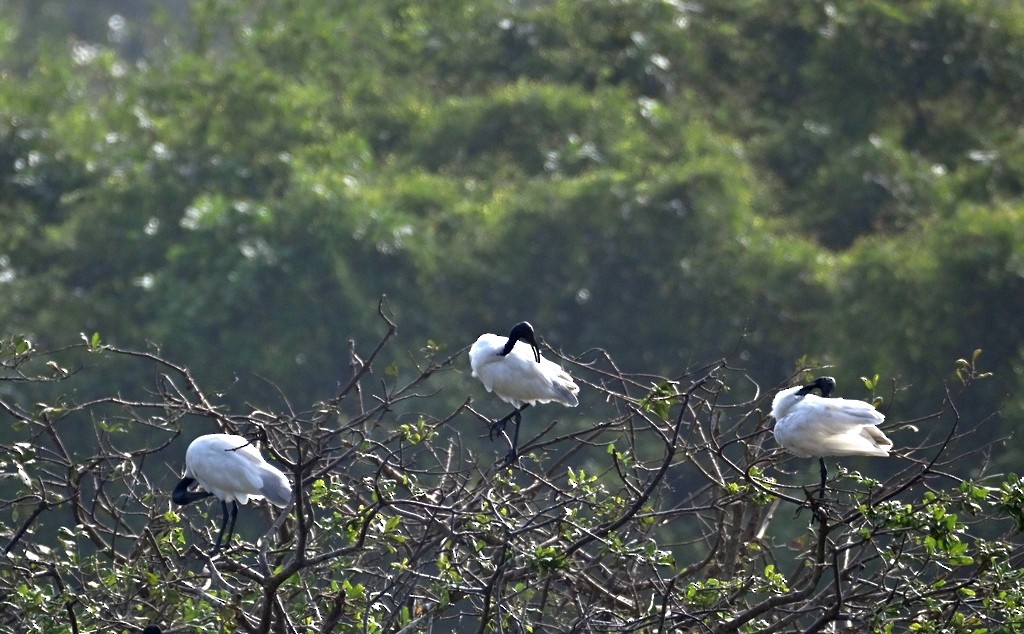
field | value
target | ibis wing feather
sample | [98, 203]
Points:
[265, 478]
[276, 487]
[566, 389]
[483, 349]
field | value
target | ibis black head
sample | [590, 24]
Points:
[824, 384]
[151, 629]
[522, 331]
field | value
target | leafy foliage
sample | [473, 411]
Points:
[670, 513]
[783, 184]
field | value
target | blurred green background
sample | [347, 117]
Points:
[773, 182]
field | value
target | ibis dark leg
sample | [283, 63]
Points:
[224, 525]
[234, 516]
[499, 425]
[512, 456]
[819, 512]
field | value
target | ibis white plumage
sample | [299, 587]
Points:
[513, 368]
[811, 426]
[231, 469]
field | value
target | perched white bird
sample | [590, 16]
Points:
[812, 426]
[231, 469]
[512, 368]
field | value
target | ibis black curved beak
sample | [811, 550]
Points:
[824, 384]
[536, 352]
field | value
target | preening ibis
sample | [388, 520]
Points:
[231, 469]
[513, 368]
[811, 426]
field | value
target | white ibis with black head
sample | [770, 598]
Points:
[513, 368]
[231, 469]
[811, 426]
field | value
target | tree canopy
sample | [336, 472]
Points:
[221, 192]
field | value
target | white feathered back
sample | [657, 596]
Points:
[811, 426]
[231, 468]
[517, 378]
